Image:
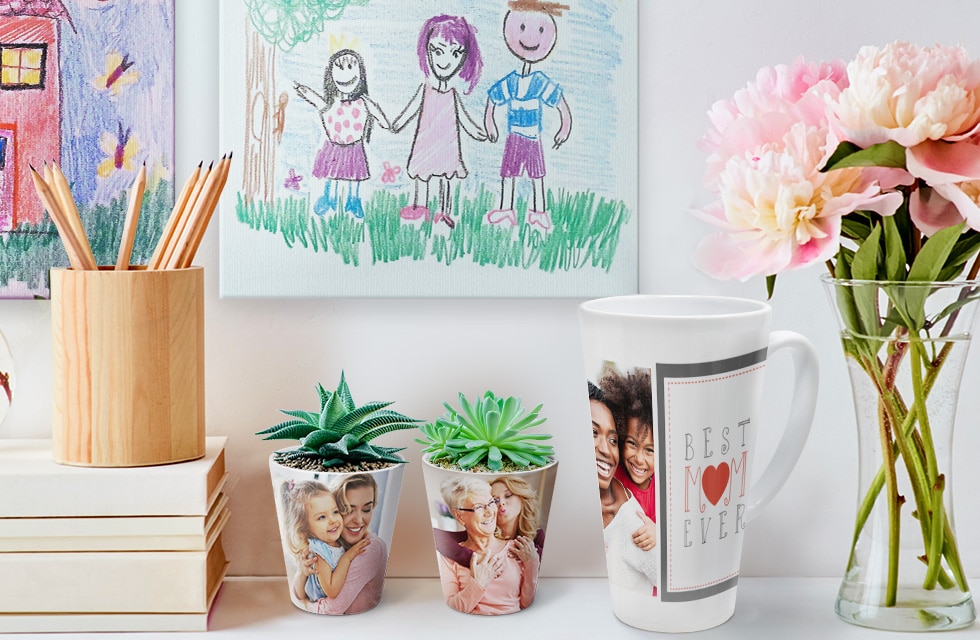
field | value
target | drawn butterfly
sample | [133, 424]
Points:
[292, 182]
[118, 73]
[120, 150]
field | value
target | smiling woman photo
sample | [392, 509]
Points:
[502, 575]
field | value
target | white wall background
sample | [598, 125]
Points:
[263, 355]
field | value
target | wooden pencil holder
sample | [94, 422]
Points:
[128, 366]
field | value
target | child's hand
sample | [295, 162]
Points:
[307, 562]
[359, 547]
[646, 536]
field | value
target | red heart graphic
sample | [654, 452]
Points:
[714, 481]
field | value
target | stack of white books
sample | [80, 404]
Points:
[96, 549]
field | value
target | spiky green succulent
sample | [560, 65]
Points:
[485, 433]
[341, 432]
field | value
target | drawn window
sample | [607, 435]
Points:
[22, 66]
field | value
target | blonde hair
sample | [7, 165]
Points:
[355, 481]
[296, 524]
[527, 521]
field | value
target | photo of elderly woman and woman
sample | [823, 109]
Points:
[621, 406]
[489, 537]
[335, 561]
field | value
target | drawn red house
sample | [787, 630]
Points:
[30, 102]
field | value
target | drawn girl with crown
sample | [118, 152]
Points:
[348, 115]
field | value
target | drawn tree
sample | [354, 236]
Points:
[274, 25]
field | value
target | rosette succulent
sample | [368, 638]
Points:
[488, 432]
[340, 433]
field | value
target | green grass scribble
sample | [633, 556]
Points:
[586, 231]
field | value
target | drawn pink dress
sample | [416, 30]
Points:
[436, 149]
[342, 156]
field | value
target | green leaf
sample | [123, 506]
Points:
[309, 417]
[855, 226]
[842, 151]
[865, 263]
[894, 250]
[346, 400]
[289, 430]
[885, 154]
[934, 254]
[320, 437]
[770, 286]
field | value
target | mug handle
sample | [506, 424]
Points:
[803, 404]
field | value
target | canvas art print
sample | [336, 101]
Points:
[87, 85]
[429, 148]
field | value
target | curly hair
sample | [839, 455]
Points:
[527, 522]
[629, 396]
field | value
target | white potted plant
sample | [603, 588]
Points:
[336, 497]
[489, 485]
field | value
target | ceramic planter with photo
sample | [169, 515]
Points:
[489, 487]
[336, 498]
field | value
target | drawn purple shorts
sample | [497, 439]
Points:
[341, 161]
[522, 155]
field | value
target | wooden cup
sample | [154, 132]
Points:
[128, 366]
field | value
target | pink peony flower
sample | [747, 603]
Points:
[778, 212]
[909, 94]
[764, 110]
[952, 172]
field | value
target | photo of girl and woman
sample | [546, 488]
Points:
[335, 558]
[489, 537]
[621, 407]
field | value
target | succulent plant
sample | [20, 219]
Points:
[486, 432]
[341, 432]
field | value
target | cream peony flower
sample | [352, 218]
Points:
[909, 94]
[779, 212]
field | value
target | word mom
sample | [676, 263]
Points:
[706, 484]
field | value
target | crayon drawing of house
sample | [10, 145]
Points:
[30, 101]
[87, 84]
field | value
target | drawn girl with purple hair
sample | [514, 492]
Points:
[446, 47]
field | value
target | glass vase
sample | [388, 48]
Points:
[905, 345]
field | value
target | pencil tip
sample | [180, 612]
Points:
[231, 154]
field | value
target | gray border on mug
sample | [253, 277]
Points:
[689, 370]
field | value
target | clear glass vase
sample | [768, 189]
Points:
[905, 345]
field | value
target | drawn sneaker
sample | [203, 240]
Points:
[541, 219]
[354, 207]
[325, 205]
[500, 216]
[444, 217]
[414, 212]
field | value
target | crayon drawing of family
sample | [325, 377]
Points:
[447, 47]
[337, 563]
[493, 170]
[621, 406]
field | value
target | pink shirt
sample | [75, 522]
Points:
[509, 592]
[365, 580]
[646, 497]
[344, 122]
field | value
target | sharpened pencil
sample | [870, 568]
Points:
[180, 228]
[132, 220]
[156, 262]
[62, 192]
[68, 238]
[201, 223]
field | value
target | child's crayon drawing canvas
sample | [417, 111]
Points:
[88, 85]
[436, 148]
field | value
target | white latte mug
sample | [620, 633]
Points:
[675, 390]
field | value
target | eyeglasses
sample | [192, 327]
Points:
[481, 507]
